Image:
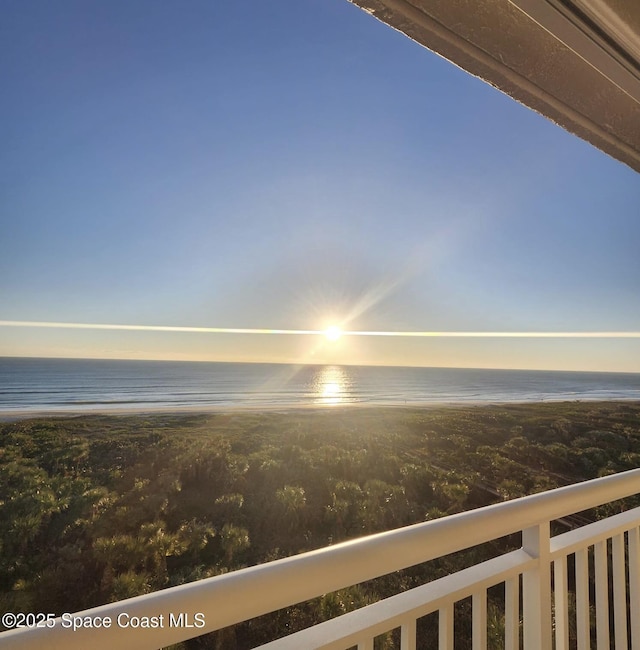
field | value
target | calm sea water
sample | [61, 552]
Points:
[84, 384]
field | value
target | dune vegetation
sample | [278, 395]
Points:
[99, 508]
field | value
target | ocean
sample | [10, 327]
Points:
[82, 385]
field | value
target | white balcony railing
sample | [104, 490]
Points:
[537, 615]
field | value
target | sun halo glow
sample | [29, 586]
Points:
[333, 333]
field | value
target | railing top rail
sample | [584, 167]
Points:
[412, 604]
[244, 594]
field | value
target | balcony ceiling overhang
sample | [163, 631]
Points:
[577, 62]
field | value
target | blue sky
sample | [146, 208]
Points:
[288, 165]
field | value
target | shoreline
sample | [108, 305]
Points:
[14, 415]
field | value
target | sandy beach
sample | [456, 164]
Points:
[11, 415]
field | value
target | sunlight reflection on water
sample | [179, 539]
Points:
[331, 385]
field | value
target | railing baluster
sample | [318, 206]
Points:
[602, 596]
[445, 628]
[536, 589]
[582, 599]
[634, 586]
[512, 614]
[619, 591]
[366, 644]
[408, 635]
[479, 620]
[561, 611]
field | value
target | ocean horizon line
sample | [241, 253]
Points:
[321, 364]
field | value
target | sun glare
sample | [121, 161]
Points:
[333, 333]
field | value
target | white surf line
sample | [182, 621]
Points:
[246, 330]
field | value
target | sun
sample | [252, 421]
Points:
[333, 333]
